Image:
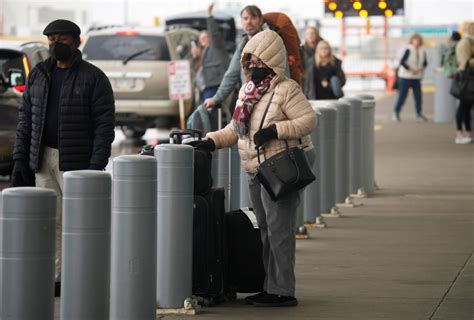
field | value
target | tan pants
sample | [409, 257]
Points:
[50, 177]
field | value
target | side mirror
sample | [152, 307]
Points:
[16, 77]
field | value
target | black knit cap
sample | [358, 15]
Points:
[62, 26]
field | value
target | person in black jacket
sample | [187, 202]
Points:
[66, 117]
[328, 76]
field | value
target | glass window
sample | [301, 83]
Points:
[121, 47]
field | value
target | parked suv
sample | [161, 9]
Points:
[136, 63]
[16, 61]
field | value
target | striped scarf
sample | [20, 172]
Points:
[244, 106]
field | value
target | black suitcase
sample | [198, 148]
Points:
[209, 247]
[245, 265]
[202, 159]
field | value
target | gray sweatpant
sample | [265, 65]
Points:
[277, 222]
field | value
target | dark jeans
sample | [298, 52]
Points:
[403, 86]
[463, 115]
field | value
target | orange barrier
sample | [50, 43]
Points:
[387, 73]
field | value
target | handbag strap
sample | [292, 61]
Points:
[266, 110]
[261, 125]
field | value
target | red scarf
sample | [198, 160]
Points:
[244, 106]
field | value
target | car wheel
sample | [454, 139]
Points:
[133, 132]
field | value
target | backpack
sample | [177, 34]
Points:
[206, 120]
[449, 62]
[281, 24]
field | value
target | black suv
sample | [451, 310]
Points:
[16, 61]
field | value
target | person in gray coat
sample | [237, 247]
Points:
[213, 57]
[252, 21]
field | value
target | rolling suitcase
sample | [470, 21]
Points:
[209, 247]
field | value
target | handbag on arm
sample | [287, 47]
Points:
[285, 172]
[462, 86]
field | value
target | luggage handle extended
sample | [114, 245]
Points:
[176, 136]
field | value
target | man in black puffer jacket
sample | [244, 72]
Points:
[66, 116]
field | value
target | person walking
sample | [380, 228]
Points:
[465, 59]
[288, 121]
[410, 73]
[66, 119]
[252, 21]
[312, 38]
[328, 76]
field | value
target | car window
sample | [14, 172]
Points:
[120, 47]
[10, 60]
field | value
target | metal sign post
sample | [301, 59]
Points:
[179, 85]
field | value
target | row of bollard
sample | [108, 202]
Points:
[120, 258]
[344, 140]
[344, 164]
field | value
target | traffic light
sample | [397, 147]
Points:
[363, 8]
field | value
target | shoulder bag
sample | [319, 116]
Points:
[287, 171]
[462, 86]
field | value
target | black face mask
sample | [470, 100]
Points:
[60, 51]
[258, 74]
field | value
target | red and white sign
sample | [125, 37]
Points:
[179, 79]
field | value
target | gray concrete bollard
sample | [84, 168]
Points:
[342, 150]
[444, 103]
[312, 197]
[27, 253]
[368, 143]
[133, 245]
[244, 193]
[85, 281]
[175, 224]
[327, 165]
[232, 188]
[355, 143]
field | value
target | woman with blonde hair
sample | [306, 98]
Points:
[328, 76]
[312, 38]
[465, 59]
[412, 64]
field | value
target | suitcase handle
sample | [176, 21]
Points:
[176, 136]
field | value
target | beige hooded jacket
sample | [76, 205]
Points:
[289, 110]
[465, 47]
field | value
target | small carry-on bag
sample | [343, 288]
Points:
[246, 272]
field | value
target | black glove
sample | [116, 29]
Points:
[207, 144]
[264, 135]
[22, 175]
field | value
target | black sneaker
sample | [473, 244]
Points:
[251, 299]
[273, 300]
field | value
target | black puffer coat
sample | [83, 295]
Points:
[86, 119]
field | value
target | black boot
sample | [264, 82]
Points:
[251, 299]
[273, 300]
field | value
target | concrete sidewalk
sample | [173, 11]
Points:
[407, 252]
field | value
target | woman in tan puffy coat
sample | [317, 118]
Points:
[290, 117]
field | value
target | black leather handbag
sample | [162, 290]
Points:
[462, 86]
[285, 172]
